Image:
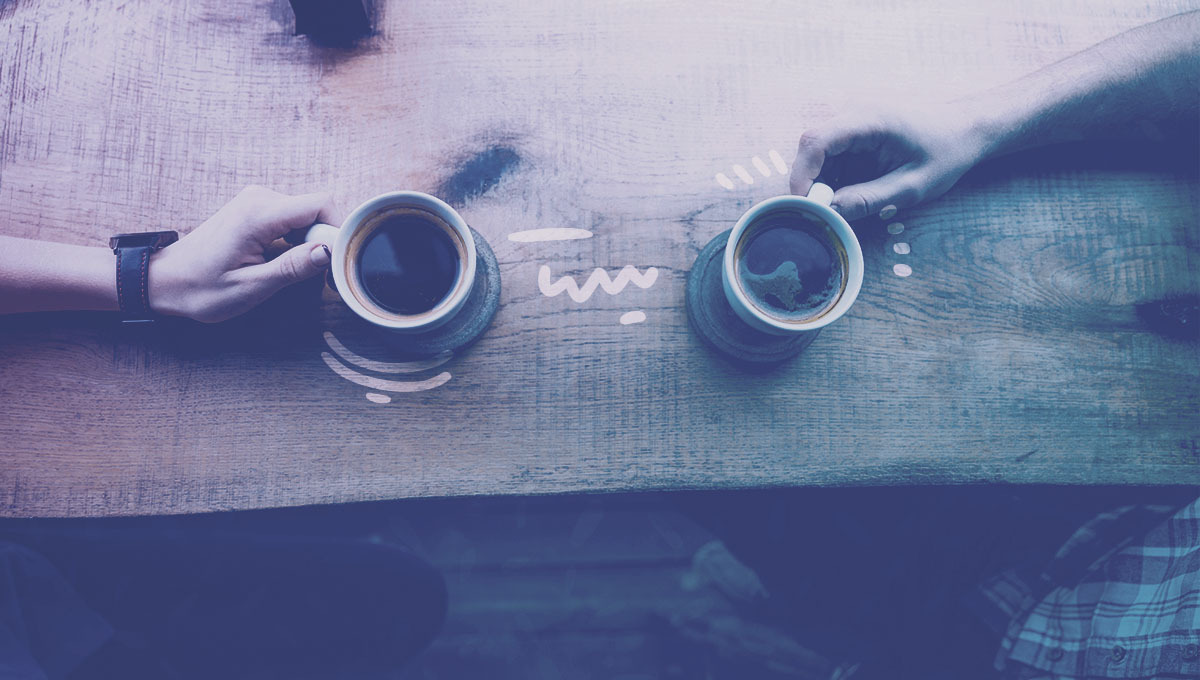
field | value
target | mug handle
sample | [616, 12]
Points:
[821, 193]
[322, 233]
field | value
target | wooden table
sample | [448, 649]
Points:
[1012, 353]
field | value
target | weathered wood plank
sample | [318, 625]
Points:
[1012, 353]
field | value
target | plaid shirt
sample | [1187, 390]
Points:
[1120, 600]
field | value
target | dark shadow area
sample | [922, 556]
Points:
[883, 576]
[216, 597]
[1177, 318]
[794, 583]
[334, 23]
[1182, 156]
[291, 319]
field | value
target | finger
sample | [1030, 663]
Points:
[900, 188]
[272, 215]
[820, 145]
[302, 211]
[294, 265]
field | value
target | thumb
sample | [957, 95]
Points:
[898, 188]
[294, 265]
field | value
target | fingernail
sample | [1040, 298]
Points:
[320, 256]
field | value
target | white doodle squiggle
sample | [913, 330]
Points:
[598, 279]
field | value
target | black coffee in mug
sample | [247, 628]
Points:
[408, 263]
[790, 266]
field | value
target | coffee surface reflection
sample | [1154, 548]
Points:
[408, 265]
[789, 267]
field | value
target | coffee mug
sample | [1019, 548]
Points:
[402, 260]
[792, 264]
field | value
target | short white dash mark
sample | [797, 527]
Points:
[554, 234]
[777, 161]
[636, 316]
[888, 212]
[901, 248]
[743, 174]
[902, 270]
[895, 228]
[761, 166]
[378, 398]
[724, 181]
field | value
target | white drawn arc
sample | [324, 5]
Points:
[381, 384]
[382, 366]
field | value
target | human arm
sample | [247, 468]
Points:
[217, 271]
[1141, 83]
[44, 276]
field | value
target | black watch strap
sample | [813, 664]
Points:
[133, 270]
[132, 281]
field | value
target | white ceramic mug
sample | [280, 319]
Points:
[345, 243]
[816, 204]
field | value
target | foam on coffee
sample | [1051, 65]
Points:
[405, 263]
[791, 266]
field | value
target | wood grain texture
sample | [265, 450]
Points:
[1013, 353]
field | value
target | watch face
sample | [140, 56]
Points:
[149, 239]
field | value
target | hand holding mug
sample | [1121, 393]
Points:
[404, 260]
[760, 292]
[791, 264]
[220, 269]
[901, 157]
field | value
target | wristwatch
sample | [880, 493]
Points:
[133, 270]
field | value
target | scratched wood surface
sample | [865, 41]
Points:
[1014, 352]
